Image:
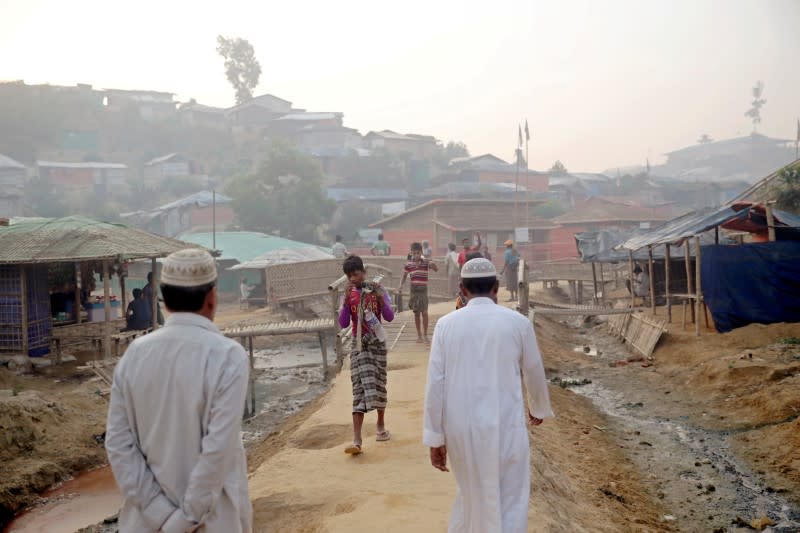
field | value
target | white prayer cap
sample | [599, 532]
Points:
[479, 267]
[191, 267]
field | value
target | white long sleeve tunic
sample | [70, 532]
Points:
[474, 405]
[173, 436]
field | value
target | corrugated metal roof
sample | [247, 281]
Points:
[463, 202]
[242, 246]
[161, 159]
[342, 194]
[685, 226]
[598, 209]
[456, 188]
[7, 162]
[86, 164]
[311, 116]
[283, 256]
[79, 239]
[199, 199]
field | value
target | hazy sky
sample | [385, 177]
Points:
[602, 83]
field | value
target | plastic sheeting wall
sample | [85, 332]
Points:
[753, 283]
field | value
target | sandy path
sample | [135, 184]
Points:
[306, 483]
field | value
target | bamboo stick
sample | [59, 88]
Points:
[667, 261]
[652, 280]
[23, 286]
[698, 285]
[630, 269]
[106, 310]
[154, 288]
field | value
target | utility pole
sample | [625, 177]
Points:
[213, 218]
[529, 244]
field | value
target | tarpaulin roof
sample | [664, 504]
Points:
[683, 227]
[604, 246]
[282, 256]
[79, 239]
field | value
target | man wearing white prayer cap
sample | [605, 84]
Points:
[475, 412]
[173, 436]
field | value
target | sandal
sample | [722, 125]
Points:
[353, 449]
[383, 436]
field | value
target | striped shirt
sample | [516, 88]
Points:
[418, 272]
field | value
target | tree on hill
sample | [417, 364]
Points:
[285, 195]
[704, 139]
[754, 113]
[788, 195]
[450, 151]
[558, 169]
[241, 66]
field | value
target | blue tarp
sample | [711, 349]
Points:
[752, 283]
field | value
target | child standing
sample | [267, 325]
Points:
[417, 268]
[365, 305]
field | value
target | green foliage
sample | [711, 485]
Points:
[285, 195]
[549, 209]
[450, 151]
[792, 341]
[558, 169]
[241, 66]
[788, 194]
[381, 169]
[353, 216]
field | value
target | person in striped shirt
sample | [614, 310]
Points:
[417, 269]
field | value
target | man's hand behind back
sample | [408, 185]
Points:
[439, 458]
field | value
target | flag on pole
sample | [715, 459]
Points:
[520, 134]
[528, 133]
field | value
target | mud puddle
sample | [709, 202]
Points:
[692, 469]
[89, 498]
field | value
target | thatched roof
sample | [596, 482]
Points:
[80, 239]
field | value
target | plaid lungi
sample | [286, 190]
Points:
[368, 374]
[512, 278]
[418, 302]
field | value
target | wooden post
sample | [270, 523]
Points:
[523, 287]
[630, 273]
[154, 292]
[324, 349]
[602, 286]
[716, 234]
[78, 284]
[594, 282]
[652, 280]
[106, 310]
[667, 260]
[770, 222]
[123, 296]
[699, 287]
[579, 293]
[252, 378]
[688, 253]
[23, 288]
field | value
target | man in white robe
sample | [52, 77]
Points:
[474, 406]
[174, 423]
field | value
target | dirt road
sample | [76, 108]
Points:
[581, 479]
